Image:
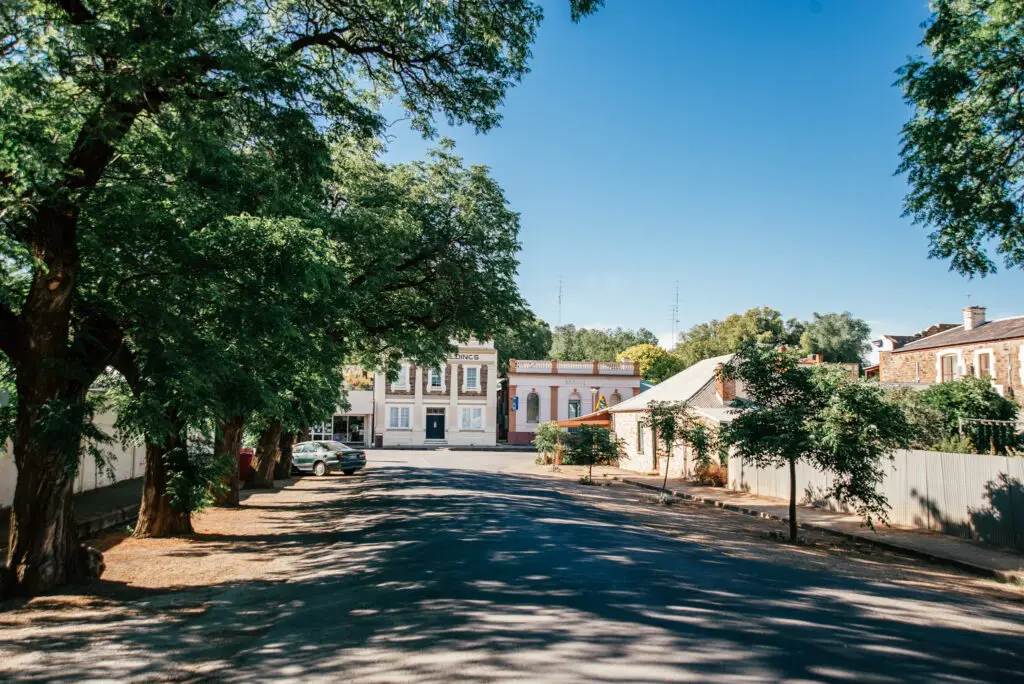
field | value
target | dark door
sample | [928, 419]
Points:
[435, 426]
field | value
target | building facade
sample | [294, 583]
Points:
[354, 426]
[453, 404]
[708, 394]
[539, 391]
[985, 349]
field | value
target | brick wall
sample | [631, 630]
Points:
[903, 366]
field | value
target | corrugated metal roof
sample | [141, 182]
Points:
[719, 415]
[682, 386]
[991, 330]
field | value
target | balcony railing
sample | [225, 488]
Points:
[574, 367]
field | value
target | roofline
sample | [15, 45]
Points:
[900, 350]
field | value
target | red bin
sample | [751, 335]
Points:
[245, 457]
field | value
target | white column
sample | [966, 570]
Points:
[452, 422]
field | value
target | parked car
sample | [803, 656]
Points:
[321, 458]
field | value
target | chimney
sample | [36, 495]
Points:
[973, 317]
[725, 387]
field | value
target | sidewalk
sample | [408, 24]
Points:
[96, 510]
[981, 559]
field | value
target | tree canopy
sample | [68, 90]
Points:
[838, 337]
[656, 364]
[570, 343]
[963, 150]
[715, 338]
[820, 416]
[190, 192]
[528, 339]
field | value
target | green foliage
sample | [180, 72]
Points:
[926, 422]
[838, 337]
[954, 445]
[656, 364]
[546, 438]
[820, 416]
[674, 423]
[963, 150]
[590, 445]
[716, 338]
[528, 339]
[570, 343]
[195, 475]
[968, 397]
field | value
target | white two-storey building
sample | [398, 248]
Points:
[453, 404]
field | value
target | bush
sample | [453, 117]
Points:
[546, 439]
[955, 445]
[711, 475]
[968, 397]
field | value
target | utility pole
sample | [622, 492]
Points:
[559, 301]
[675, 320]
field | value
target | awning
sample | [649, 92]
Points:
[602, 418]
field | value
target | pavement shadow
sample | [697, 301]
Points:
[437, 574]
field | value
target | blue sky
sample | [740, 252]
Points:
[745, 149]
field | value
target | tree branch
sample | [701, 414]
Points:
[11, 340]
[77, 12]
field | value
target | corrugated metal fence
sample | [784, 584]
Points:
[967, 495]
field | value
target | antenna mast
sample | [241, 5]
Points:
[559, 301]
[675, 320]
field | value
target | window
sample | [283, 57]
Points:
[436, 378]
[640, 436]
[472, 418]
[574, 405]
[948, 366]
[322, 431]
[983, 364]
[398, 417]
[532, 408]
[403, 377]
[616, 398]
[472, 378]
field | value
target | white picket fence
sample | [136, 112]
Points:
[967, 495]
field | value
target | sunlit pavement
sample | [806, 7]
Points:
[445, 566]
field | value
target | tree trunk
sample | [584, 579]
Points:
[227, 447]
[792, 500]
[52, 378]
[157, 517]
[266, 456]
[283, 469]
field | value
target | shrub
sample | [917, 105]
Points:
[711, 475]
[955, 445]
[968, 397]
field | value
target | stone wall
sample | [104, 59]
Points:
[922, 366]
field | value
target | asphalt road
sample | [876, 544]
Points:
[447, 566]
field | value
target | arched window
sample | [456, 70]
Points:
[532, 408]
[575, 404]
[615, 398]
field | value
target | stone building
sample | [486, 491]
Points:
[539, 391]
[985, 349]
[454, 404]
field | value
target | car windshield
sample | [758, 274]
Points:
[335, 446]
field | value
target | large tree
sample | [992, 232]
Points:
[570, 343]
[816, 415]
[81, 83]
[656, 364]
[715, 338]
[528, 339]
[838, 337]
[963, 150]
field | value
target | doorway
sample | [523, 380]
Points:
[435, 423]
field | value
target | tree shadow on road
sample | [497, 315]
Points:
[443, 574]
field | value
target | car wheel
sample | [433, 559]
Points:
[320, 469]
[349, 471]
